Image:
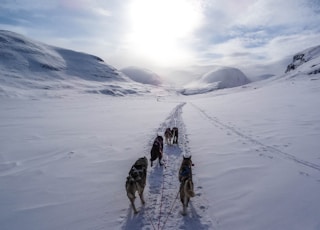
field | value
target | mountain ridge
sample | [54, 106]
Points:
[29, 65]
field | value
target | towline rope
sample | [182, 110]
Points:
[161, 200]
[172, 206]
[159, 227]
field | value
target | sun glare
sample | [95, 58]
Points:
[159, 28]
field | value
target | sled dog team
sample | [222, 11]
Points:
[136, 180]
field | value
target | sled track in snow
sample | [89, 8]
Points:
[271, 149]
[163, 207]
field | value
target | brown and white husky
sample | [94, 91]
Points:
[186, 183]
[168, 136]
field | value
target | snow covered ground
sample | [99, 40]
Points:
[65, 155]
[257, 166]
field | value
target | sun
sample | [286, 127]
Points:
[159, 29]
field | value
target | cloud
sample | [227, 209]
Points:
[256, 20]
[27, 5]
[273, 13]
[239, 33]
[84, 25]
[256, 31]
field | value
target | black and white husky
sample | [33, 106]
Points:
[136, 181]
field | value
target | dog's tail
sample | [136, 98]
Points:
[191, 193]
[189, 188]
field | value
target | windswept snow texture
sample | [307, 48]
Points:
[143, 76]
[221, 78]
[64, 160]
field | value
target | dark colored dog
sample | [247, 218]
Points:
[136, 181]
[156, 150]
[186, 184]
[175, 135]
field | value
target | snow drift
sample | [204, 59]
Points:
[220, 78]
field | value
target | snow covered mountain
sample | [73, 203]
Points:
[36, 68]
[306, 61]
[31, 66]
[219, 78]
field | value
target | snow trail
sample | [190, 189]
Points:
[163, 207]
[270, 149]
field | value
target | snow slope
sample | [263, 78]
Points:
[219, 78]
[34, 67]
[64, 160]
[309, 57]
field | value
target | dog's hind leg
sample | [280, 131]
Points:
[183, 199]
[140, 191]
[133, 206]
[185, 196]
[160, 161]
[160, 158]
[132, 198]
[184, 205]
[142, 198]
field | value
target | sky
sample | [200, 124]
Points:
[161, 35]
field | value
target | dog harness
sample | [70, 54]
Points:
[185, 173]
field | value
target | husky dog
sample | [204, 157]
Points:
[168, 136]
[156, 150]
[136, 181]
[186, 184]
[175, 135]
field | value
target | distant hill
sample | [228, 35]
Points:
[219, 78]
[142, 75]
